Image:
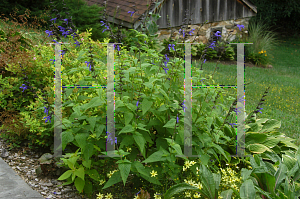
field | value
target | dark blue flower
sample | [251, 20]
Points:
[212, 45]
[191, 32]
[240, 26]
[110, 139]
[77, 43]
[232, 124]
[66, 20]
[241, 99]
[165, 64]
[236, 110]
[49, 33]
[107, 28]
[167, 57]
[131, 13]
[166, 69]
[217, 34]
[24, 87]
[87, 64]
[102, 23]
[63, 53]
[171, 46]
[183, 106]
[47, 119]
[137, 103]
[177, 119]
[46, 110]
[259, 110]
[52, 60]
[118, 47]
[204, 61]
[182, 31]
[54, 19]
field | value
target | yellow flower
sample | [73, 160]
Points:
[187, 164]
[197, 195]
[197, 170]
[153, 173]
[136, 197]
[265, 54]
[192, 162]
[188, 194]
[100, 196]
[198, 185]
[102, 182]
[109, 196]
[264, 51]
[184, 168]
[157, 196]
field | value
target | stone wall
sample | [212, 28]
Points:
[202, 34]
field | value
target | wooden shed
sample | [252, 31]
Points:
[221, 15]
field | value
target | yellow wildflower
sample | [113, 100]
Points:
[153, 173]
[100, 196]
[109, 196]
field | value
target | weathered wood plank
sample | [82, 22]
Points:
[239, 10]
[211, 11]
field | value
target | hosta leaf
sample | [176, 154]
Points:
[227, 194]
[247, 190]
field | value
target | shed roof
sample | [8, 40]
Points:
[141, 7]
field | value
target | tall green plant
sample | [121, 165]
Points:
[263, 40]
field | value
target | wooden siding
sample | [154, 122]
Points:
[211, 10]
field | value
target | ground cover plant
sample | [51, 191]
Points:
[149, 127]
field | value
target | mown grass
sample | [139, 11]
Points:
[282, 101]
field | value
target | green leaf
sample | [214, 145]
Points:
[65, 175]
[115, 178]
[128, 116]
[140, 168]
[88, 151]
[81, 139]
[164, 94]
[179, 188]
[66, 137]
[270, 125]
[79, 184]
[258, 148]
[220, 149]
[155, 157]
[280, 175]
[208, 182]
[99, 130]
[253, 138]
[127, 129]
[247, 190]
[227, 194]
[88, 187]
[125, 170]
[170, 124]
[96, 101]
[146, 105]
[140, 141]
[93, 174]
[92, 121]
[80, 172]
[87, 163]
[263, 192]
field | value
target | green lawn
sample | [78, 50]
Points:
[282, 101]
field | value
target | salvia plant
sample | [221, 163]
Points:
[149, 124]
